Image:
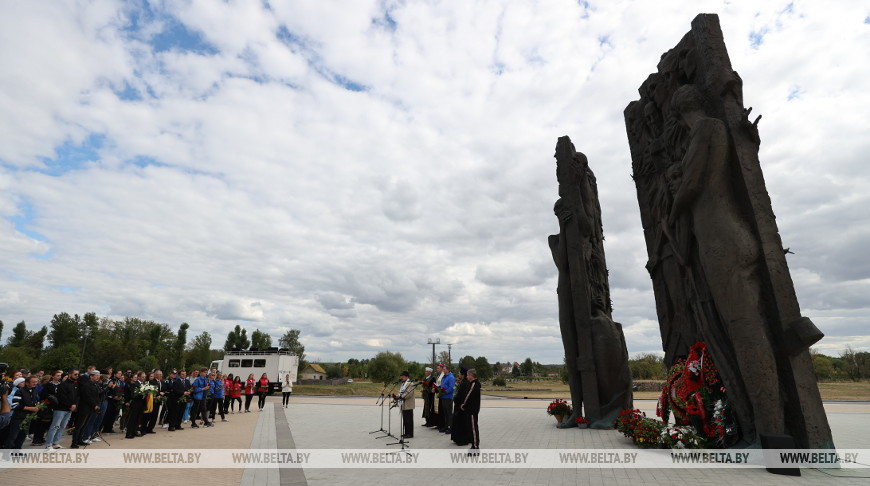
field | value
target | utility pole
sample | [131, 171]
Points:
[433, 342]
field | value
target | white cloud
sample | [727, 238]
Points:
[376, 177]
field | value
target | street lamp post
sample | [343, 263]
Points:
[449, 356]
[433, 342]
[84, 345]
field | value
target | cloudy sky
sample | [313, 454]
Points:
[376, 173]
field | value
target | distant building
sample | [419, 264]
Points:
[313, 372]
[506, 369]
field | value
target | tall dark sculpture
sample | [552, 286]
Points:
[595, 351]
[715, 256]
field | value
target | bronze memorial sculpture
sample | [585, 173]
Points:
[716, 260]
[595, 351]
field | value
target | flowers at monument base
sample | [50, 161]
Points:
[627, 420]
[581, 420]
[680, 437]
[695, 395]
[559, 407]
[647, 433]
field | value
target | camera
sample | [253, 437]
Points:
[5, 386]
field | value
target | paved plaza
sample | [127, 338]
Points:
[345, 423]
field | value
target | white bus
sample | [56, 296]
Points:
[273, 361]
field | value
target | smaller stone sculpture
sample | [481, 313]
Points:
[595, 351]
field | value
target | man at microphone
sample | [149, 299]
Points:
[406, 400]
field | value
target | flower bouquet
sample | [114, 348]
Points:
[680, 437]
[40, 409]
[582, 422]
[559, 408]
[628, 420]
[647, 432]
[148, 391]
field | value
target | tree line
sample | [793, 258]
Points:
[71, 341]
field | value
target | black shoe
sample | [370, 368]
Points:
[474, 451]
[150, 432]
[408, 436]
[171, 429]
[194, 426]
[129, 436]
[74, 446]
[179, 428]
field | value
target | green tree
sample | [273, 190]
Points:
[237, 339]
[290, 342]
[199, 349]
[260, 340]
[386, 366]
[415, 369]
[65, 329]
[17, 357]
[484, 370]
[823, 367]
[178, 346]
[467, 361]
[19, 335]
[36, 340]
[647, 366]
[516, 372]
[528, 367]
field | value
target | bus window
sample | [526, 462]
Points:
[259, 363]
[246, 363]
[234, 363]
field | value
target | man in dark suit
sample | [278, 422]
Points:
[137, 404]
[150, 419]
[89, 404]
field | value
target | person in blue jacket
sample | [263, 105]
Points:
[201, 385]
[217, 387]
[445, 412]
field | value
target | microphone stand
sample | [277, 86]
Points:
[380, 401]
[388, 432]
[402, 442]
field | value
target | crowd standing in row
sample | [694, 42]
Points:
[92, 403]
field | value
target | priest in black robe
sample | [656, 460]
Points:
[470, 406]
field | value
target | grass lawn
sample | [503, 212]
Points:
[556, 389]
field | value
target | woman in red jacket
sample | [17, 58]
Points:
[250, 383]
[228, 393]
[263, 390]
[236, 393]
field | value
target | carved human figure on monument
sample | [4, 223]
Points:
[595, 351]
[716, 258]
[728, 253]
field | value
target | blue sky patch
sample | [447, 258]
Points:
[756, 37]
[386, 22]
[176, 36]
[24, 219]
[129, 93]
[299, 46]
[70, 156]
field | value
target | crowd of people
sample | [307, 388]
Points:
[449, 407]
[89, 403]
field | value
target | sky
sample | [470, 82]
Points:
[378, 173]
